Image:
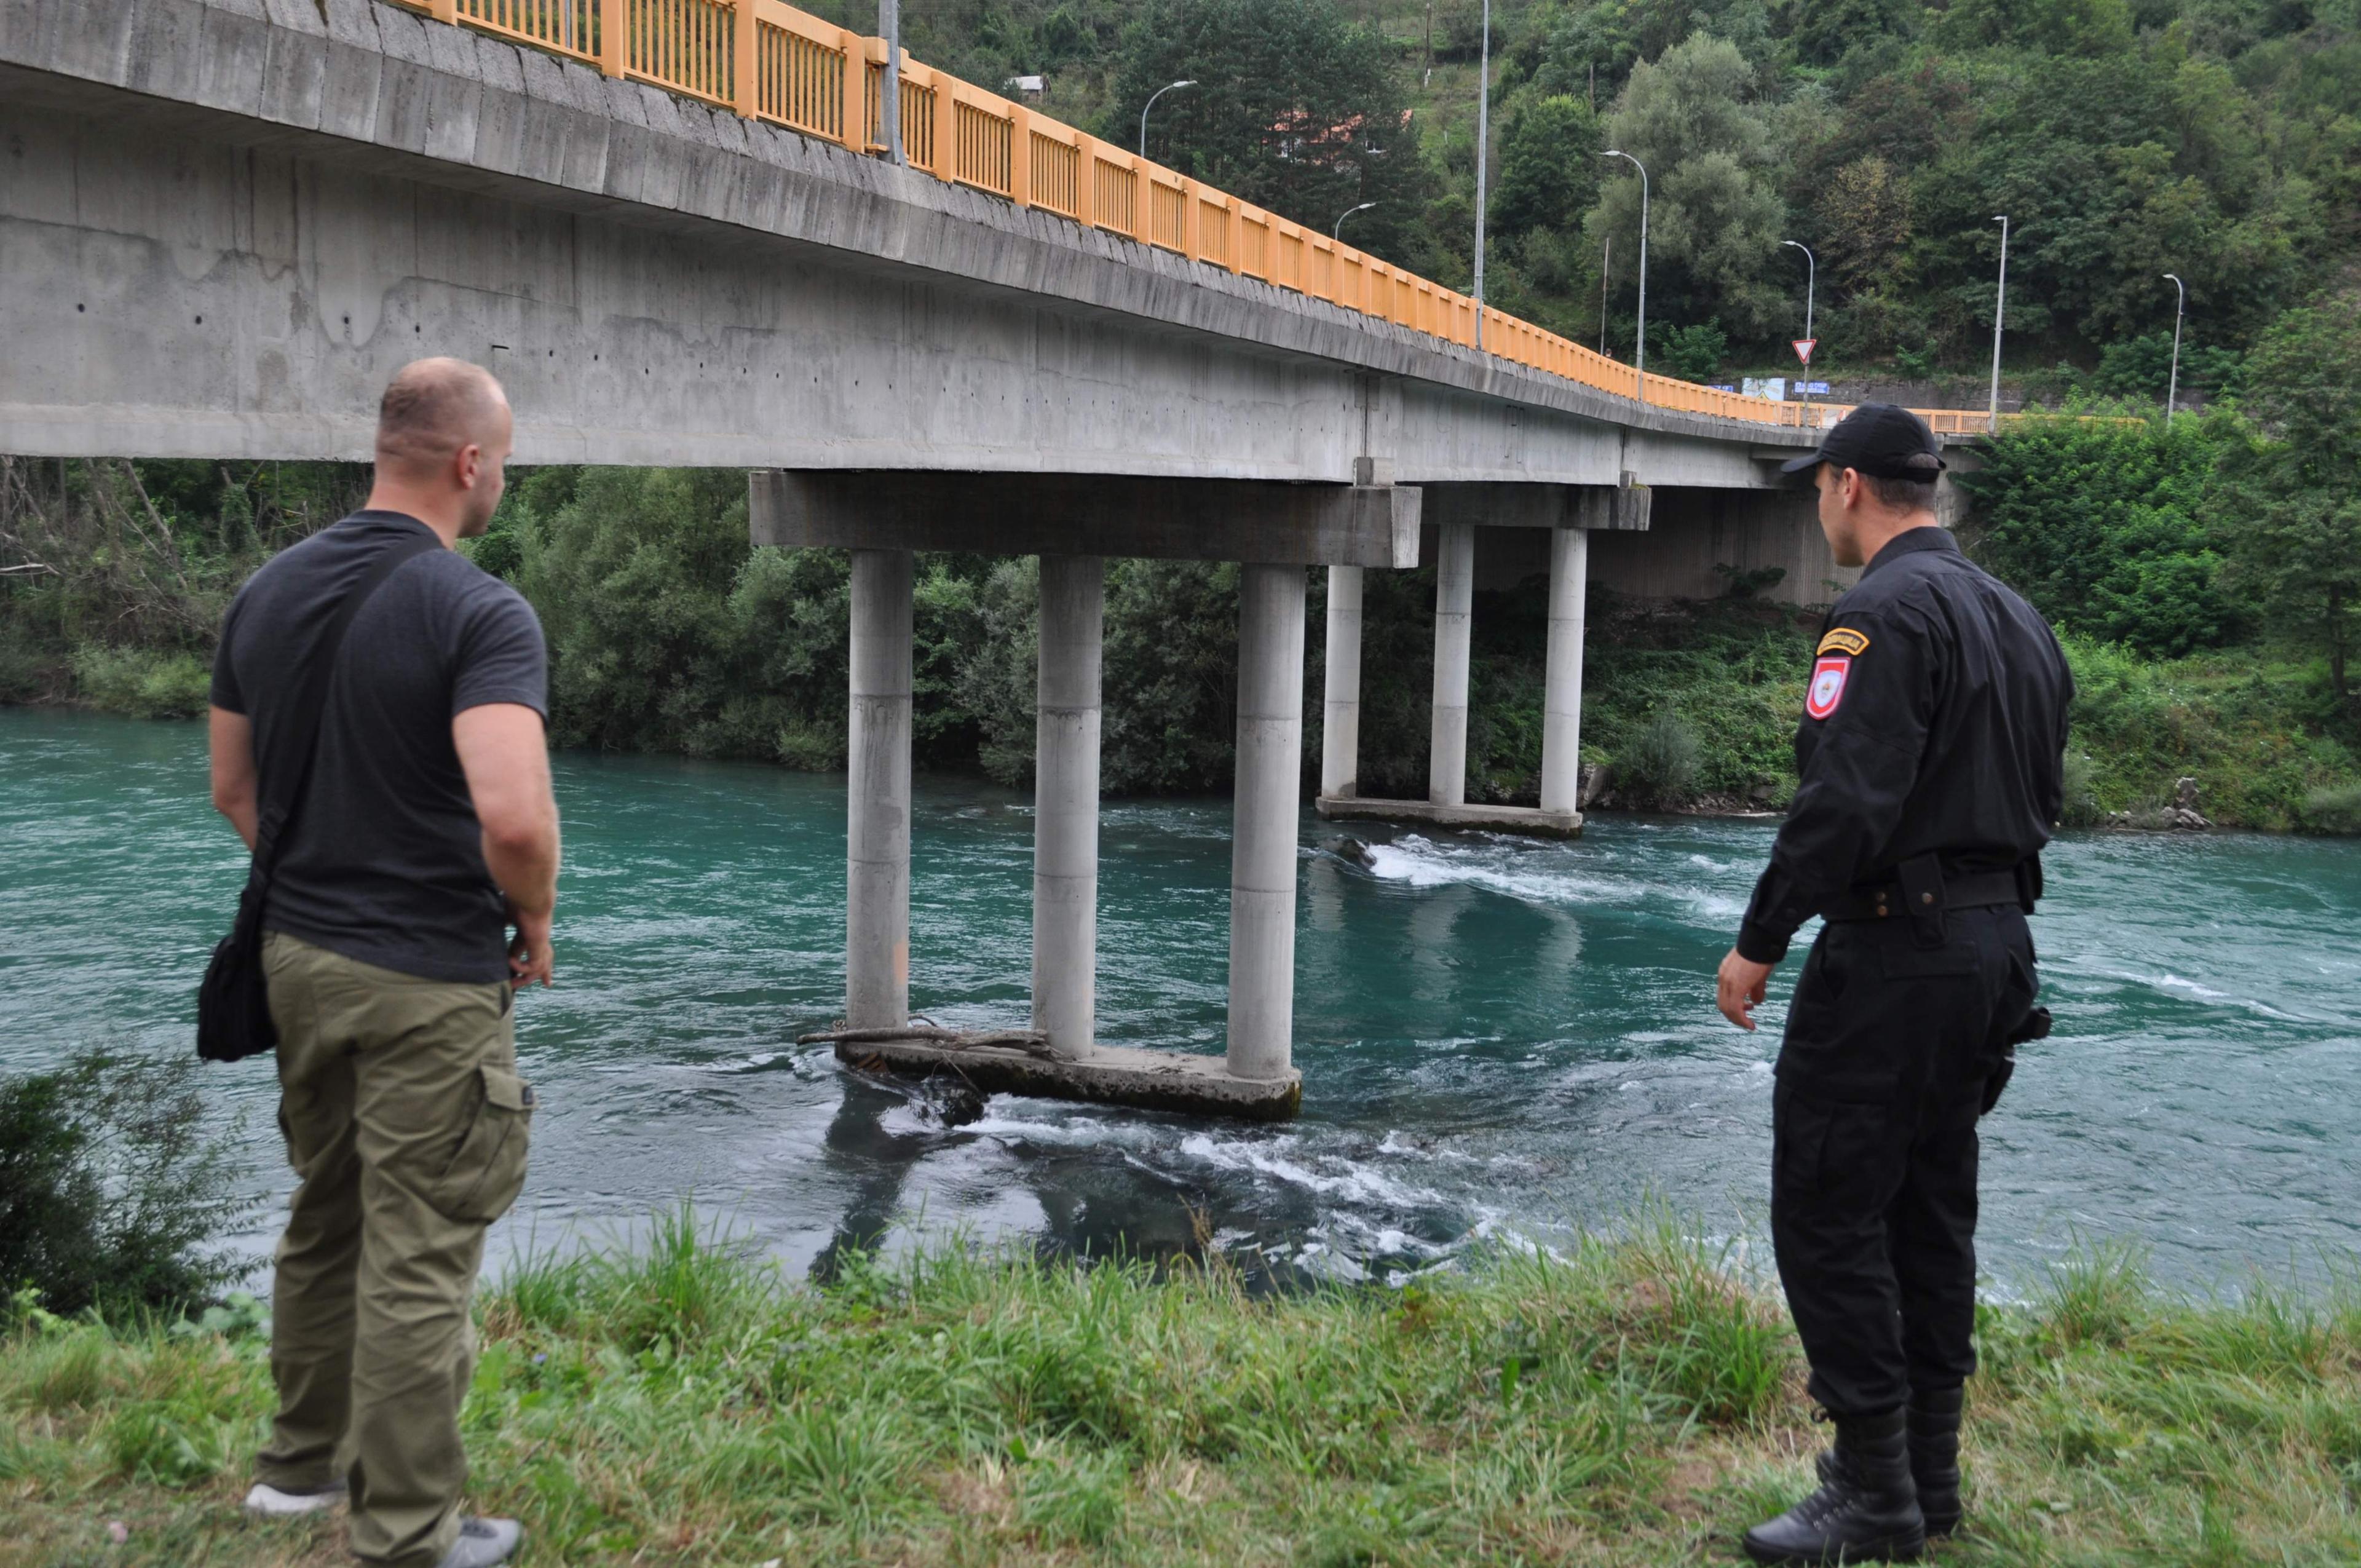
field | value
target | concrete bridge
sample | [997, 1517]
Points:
[224, 223]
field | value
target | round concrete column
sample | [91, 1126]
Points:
[1066, 800]
[1263, 837]
[1455, 594]
[877, 791]
[1340, 729]
[1562, 694]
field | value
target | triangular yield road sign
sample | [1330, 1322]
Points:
[1803, 346]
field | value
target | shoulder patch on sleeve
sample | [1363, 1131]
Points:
[1843, 640]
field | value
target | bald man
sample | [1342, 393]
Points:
[409, 902]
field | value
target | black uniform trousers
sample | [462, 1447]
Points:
[1882, 1075]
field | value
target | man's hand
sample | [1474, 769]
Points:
[530, 956]
[1739, 987]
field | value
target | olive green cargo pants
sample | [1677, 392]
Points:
[406, 1125]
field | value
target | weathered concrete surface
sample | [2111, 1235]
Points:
[225, 223]
[1693, 531]
[1098, 514]
[1112, 1075]
[1499, 819]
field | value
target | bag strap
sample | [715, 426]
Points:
[310, 705]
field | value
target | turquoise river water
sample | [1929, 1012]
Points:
[1498, 1038]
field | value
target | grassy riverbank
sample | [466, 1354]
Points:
[1628, 1405]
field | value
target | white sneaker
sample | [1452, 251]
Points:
[482, 1544]
[270, 1502]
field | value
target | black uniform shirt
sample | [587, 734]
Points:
[1936, 720]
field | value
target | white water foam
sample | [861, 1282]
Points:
[1513, 872]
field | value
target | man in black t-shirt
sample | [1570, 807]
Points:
[427, 830]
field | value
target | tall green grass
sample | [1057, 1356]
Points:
[1635, 1401]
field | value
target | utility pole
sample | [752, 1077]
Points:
[889, 96]
[2179, 309]
[2000, 309]
[1606, 266]
[1483, 145]
[1640, 348]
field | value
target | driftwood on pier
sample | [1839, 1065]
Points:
[1032, 1042]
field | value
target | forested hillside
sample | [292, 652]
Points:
[2217, 139]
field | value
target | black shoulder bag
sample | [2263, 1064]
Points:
[233, 1004]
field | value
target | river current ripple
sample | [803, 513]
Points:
[1499, 1039]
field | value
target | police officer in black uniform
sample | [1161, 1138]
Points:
[1929, 762]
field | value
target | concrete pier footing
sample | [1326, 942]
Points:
[1066, 802]
[1263, 839]
[877, 796]
[1454, 594]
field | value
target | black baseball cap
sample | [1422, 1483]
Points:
[1882, 440]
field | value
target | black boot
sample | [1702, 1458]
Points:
[1935, 1455]
[1866, 1509]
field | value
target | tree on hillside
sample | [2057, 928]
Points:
[1296, 108]
[2104, 525]
[1715, 219]
[2293, 490]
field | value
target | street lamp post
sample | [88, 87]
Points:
[1811, 281]
[2179, 309]
[2000, 309]
[1337, 228]
[1639, 349]
[889, 95]
[1159, 92]
[1483, 145]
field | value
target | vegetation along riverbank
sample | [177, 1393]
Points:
[1629, 1403]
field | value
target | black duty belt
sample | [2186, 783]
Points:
[1921, 890]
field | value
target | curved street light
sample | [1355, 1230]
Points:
[1811, 279]
[2179, 309]
[1168, 87]
[1338, 225]
[1639, 349]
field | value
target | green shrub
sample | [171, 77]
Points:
[144, 683]
[2333, 810]
[2105, 526]
[114, 1188]
[1659, 766]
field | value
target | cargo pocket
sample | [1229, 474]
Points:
[487, 1172]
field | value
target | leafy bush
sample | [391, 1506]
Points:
[1692, 353]
[113, 1187]
[2333, 810]
[1659, 766]
[145, 683]
[2104, 525]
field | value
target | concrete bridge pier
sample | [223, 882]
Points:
[1072, 522]
[877, 796]
[1572, 513]
[1340, 729]
[1066, 803]
[1263, 835]
[1562, 683]
[1454, 618]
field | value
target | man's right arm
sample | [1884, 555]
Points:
[504, 752]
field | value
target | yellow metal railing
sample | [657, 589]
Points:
[768, 60]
